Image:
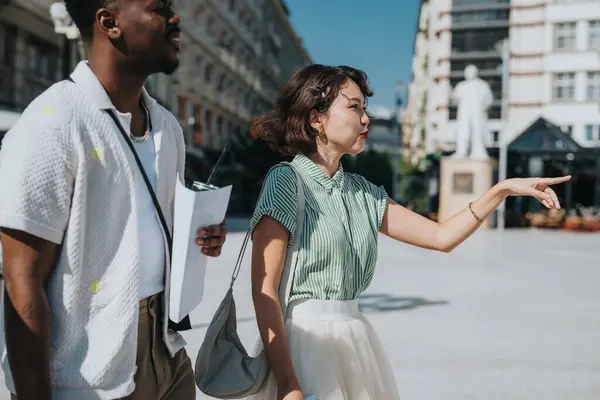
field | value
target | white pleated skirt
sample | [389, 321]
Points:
[336, 353]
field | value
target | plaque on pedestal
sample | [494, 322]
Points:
[463, 180]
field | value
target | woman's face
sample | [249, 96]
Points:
[344, 126]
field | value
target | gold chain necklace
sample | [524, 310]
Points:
[146, 127]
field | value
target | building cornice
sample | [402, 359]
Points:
[283, 16]
[39, 8]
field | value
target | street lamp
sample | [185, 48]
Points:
[396, 131]
[504, 49]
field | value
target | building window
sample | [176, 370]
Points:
[228, 132]
[495, 137]
[593, 86]
[219, 125]
[3, 45]
[477, 40]
[483, 64]
[208, 73]
[182, 110]
[218, 138]
[42, 59]
[563, 86]
[221, 84]
[8, 44]
[478, 2]
[592, 133]
[197, 125]
[594, 35]
[567, 129]
[462, 17]
[208, 139]
[565, 36]
[200, 9]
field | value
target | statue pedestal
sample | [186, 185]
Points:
[463, 181]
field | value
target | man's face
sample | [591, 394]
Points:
[149, 34]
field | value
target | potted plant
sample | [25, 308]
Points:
[572, 221]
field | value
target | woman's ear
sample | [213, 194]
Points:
[315, 120]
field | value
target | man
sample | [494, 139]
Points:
[85, 253]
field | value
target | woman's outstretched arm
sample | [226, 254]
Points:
[407, 226]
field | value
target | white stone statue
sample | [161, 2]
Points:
[63, 23]
[473, 96]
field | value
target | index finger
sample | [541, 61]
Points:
[211, 231]
[555, 181]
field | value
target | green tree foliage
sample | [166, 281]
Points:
[376, 167]
[245, 167]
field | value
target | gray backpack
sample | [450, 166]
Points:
[224, 369]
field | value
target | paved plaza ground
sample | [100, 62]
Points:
[512, 317]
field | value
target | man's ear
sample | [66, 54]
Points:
[107, 22]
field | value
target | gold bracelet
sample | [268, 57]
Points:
[473, 212]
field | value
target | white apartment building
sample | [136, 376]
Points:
[554, 68]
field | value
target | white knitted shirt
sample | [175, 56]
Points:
[68, 176]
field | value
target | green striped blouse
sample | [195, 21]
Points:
[338, 246]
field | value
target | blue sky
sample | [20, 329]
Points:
[376, 36]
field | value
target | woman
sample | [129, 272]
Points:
[326, 347]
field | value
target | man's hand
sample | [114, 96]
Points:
[212, 239]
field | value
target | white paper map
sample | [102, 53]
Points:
[193, 210]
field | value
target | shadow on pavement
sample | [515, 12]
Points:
[369, 303]
[379, 302]
[239, 320]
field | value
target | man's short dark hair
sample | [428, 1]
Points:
[84, 12]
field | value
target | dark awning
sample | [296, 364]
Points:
[544, 137]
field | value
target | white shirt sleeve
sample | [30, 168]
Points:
[37, 173]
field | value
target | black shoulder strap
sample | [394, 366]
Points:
[184, 324]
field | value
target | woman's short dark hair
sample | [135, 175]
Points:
[286, 127]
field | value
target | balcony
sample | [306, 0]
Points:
[272, 63]
[234, 24]
[480, 24]
[256, 9]
[473, 5]
[217, 53]
[482, 73]
[468, 55]
[489, 17]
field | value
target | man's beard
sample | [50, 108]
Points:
[147, 67]
[169, 67]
